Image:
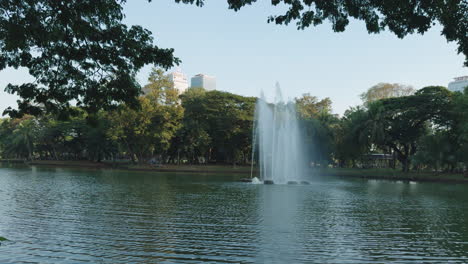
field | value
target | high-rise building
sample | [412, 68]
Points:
[459, 84]
[179, 79]
[205, 81]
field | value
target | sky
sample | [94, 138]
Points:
[248, 55]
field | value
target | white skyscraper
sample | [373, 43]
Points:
[205, 81]
[459, 84]
[179, 79]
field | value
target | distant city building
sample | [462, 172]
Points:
[206, 82]
[459, 84]
[179, 79]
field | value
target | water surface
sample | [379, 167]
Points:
[89, 216]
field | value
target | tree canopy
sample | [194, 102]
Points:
[384, 91]
[148, 131]
[311, 107]
[75, 50]
[401, 17]
[81, 50]
[424, 131]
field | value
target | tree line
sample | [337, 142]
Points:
[196, 127]
[425, 129]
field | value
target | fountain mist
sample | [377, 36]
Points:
[279, 141]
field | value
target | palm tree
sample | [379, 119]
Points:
[23, 136]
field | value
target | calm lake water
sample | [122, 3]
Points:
[88, 216]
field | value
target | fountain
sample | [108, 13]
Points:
[278, 139]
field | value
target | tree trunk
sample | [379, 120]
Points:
[29, 149]
[405, 165]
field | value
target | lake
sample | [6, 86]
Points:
[53, 215]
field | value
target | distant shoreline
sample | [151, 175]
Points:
[395, 175]
[147, 168]
[377, 174]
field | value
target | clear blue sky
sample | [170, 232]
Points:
[246, 54]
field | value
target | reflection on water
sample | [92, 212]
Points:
[71, 216]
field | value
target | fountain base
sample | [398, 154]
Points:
[255, 180]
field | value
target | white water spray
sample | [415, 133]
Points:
[277, 132]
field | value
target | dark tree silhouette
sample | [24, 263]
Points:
[75, 50]
[81, 50]
[402, 17]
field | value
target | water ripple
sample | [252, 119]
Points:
[67, 216]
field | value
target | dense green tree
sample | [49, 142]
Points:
[148, 131]
[386, 90]
[75, 50]
[351, 137]
[460, 126]
[309, 106]
[18, 137]
[319, 135]
[51, 137]
[192, 140]
[437, 151]
[47, 137]
[319, 127]
[217, 127]
[398, 123]
[97, 143]
[230, 119]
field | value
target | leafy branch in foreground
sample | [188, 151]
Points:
[75, 50]
[401, 17]
[80, 50]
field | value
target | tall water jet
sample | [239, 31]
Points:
[279, 141]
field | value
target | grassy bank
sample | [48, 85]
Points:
[387, 174]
